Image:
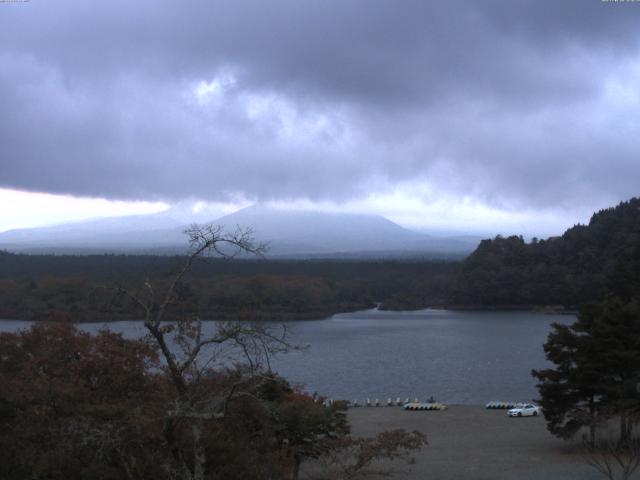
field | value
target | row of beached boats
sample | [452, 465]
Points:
[407, 404]
[498, 405]
[416, 404]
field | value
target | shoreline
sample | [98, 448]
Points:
[326, 314]
[472, 442]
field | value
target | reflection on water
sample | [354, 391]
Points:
[458, 357]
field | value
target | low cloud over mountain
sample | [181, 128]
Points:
[288, 233]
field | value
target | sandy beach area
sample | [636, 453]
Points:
[471, 442]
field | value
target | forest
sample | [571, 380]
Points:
[579, 267]
[561, 272]
[83, 288]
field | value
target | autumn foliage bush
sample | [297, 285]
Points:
[81, 406]
[74, 405]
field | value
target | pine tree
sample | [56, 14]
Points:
[597, 370]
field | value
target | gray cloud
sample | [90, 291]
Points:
[529, 103]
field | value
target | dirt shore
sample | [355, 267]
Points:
[470, 442]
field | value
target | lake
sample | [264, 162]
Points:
[459, 357]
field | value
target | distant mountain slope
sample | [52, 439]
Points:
[290, 233]
[576, 268]
[105, 234]
[304, 231]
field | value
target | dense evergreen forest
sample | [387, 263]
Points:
[81, 288]
[567, 271]
[579, 267]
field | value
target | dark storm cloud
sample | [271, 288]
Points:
[513, 103]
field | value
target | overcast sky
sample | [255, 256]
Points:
[469, 115]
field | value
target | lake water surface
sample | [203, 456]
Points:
[458, 357]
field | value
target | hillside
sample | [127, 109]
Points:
[579, 267]
[113, 234]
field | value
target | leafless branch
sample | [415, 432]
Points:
[195, 401]
[612, 459]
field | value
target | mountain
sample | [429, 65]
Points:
[579, 267]
[293, 232]
[160, 232]
[113, 234]
[290, 233]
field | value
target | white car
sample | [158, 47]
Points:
[528, 410]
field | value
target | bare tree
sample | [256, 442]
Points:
[613, 459]
[193, 356]
[189, 353]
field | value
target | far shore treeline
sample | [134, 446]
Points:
[564, 272]
[80, 288]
